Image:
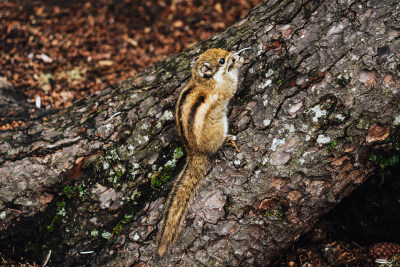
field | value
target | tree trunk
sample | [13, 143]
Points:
[317, 106]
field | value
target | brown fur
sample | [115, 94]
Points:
[201, 122]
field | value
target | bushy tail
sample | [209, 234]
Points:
[179, 199]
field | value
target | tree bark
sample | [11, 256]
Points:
[318, 102]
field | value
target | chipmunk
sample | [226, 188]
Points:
[201, 119]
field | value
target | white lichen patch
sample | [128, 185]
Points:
[265, 84]
[318, 113]
[94, 233]
[131, 148]
[170, 164]
[112, 155]
[145, 138]
[168, 115]
[3, 215]
[106, 235]
[396, 121]
[340, 117]
[290, 128]
[269, 73]
[106, 165]
[105, 130]
[178, 153]
[260, 49]
[265, 159]
[135, 172]
[108, 126]
[135, 166]
[277, 142]
[323, 139]
[303, 127]
[136, 237]
[239, 159]
[266, 122]
[144, 126]
[265, 102]
[287, 128]
[346, 75]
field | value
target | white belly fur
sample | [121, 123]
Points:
[225, 122]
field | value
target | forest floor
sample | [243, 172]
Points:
[61, 51]
[65, 50]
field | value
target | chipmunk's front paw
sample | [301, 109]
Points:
[230, 141]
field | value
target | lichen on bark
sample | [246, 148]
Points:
[318, 98]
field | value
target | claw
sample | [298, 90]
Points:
[229, 140]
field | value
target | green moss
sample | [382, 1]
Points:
[178, 153]
[384, 161]
[94, 162]
[59, 217]
[161, 177]
[112, 155]
[135, 195]
[94, 233]
[275, 213]
[343, 80]
[390, 161]
[362, 124]
[106, 235]
[116, 174]
[67, 191]
[81, 190]
[373, 158]
[126, 220]
[332, 146]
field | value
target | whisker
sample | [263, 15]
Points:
[241, 50]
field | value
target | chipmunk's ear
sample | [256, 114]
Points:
[205, 70]
[193, 61]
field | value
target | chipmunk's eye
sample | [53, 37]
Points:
[222, 61]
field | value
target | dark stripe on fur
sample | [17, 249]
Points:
[179, 115]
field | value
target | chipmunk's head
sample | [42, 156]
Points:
[219, 69]
[216, 61]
